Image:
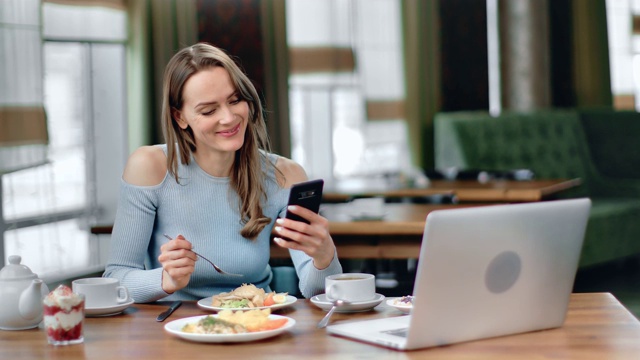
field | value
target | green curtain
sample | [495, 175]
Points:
[157, 30]
[422, 73]
[276, 87]
[591, 71]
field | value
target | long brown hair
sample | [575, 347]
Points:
[247, 175]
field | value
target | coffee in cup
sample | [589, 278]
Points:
[351, 287]
[101, 292]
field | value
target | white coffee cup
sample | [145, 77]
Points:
[352, 287]
[101, 292]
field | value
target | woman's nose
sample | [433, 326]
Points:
[226, 114]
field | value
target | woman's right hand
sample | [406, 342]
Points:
[178, 263]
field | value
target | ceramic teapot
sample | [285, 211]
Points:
[21, 295]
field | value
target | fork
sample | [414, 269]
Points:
[218, 269]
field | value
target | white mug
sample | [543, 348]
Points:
[351, 287]
[101, 292]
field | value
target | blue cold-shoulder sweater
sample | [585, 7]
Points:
[204, 209]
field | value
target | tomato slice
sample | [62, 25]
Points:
[268, 301]
[274, 324]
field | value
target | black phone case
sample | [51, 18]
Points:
[307, 194]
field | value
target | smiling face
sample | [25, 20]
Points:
[214, 111]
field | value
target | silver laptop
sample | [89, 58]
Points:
[486, 271]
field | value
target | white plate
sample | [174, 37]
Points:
[175, 327]
[206, 304]
[404, 308]
[324, 304]
[107, 311]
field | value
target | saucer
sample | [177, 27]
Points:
[324, 304]
[107, 311]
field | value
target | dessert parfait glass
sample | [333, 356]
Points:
[63, 316]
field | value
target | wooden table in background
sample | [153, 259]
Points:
[597, 327]
[506, 190]
[466, 190]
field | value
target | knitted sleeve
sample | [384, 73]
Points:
[312, 279]
[129, 243]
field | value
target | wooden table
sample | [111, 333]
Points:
[399, 219]
[597, 327]
[506, 190]
[465, 190]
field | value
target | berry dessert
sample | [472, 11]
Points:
[404, 301]
[63, 316]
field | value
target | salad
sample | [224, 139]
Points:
[247, 296]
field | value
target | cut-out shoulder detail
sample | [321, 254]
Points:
[147, 166]
[292, 171]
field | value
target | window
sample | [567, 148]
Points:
[340, 124]
[623, 24]
[47, 209]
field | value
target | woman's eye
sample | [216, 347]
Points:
[235, 101]
[207, 113]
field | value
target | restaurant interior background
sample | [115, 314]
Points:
[351, 88]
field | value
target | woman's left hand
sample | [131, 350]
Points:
[313, 238]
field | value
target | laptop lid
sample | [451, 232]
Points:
[485, 272]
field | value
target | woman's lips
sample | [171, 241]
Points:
[230, 132]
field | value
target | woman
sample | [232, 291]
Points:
[214, 188]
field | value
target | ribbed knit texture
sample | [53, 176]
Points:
[205, 211]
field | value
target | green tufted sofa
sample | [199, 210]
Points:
[599, 146]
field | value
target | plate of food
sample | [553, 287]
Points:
[230, 326]
[247, 297]
[404, 304]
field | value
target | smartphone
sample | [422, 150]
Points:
[307, 194]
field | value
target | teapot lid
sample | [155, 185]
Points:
[15, 270]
